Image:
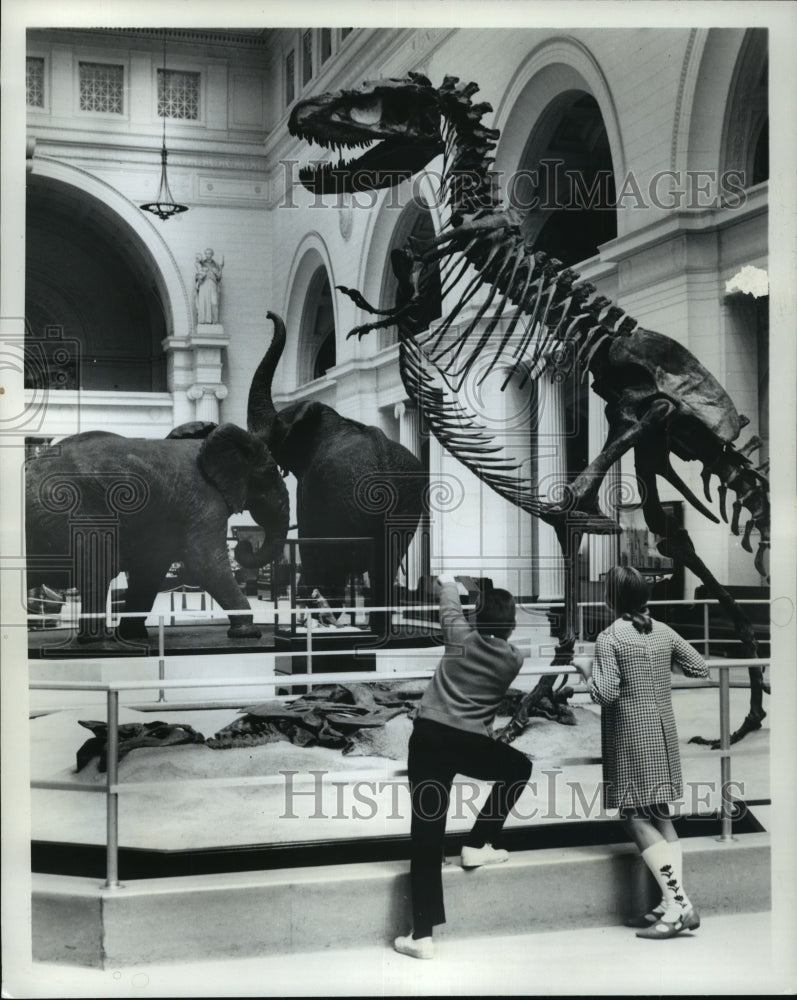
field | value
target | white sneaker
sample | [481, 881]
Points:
[475, 857]
[415, 948]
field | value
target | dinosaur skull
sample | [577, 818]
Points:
[397, 121]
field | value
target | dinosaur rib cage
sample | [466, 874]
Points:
[540, 307]
[458, 431]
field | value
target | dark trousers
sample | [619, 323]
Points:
[436, 754]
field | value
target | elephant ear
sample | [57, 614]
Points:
[226, 459]
[300, 430]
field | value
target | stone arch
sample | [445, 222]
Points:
[554, 76]
[415, 221]
[383, 220]
[745, 133]
[141, 233]
[724, 113]
[317, 353]
[310, 260]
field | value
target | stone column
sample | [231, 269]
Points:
[180, 377]
[206, 389]
[409, 436]
[206, 401]
[552, 476]
[603, 548]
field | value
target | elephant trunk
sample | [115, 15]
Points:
[260, 412]
[247, 557]
[273, 516]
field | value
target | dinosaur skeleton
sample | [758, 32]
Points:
[521, 312]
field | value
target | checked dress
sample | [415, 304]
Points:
[631, 682]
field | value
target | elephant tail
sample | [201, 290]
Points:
[260, 413]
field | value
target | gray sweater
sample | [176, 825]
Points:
[473, 675]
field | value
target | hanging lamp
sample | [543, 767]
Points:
[164, 206]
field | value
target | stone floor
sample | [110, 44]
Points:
[739, 954]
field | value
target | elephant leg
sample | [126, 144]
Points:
[387, 560]
[213, 572]
[382, 589]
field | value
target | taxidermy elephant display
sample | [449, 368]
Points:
[352, 481]
[98, 504]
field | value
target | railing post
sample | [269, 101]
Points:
[161, 657]
[309, 621]
[726, 805]
[112, 798]
[705, 631]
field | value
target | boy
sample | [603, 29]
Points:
[452, 735]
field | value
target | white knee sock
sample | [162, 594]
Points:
[675, 847]
[666, 864]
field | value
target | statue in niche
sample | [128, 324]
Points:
[207, 283]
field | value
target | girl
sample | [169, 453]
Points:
[630, 680]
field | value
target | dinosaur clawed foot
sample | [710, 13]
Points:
[544, 703]
[751, 723]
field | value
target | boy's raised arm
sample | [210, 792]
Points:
[453, 623]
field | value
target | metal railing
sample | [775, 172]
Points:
[112, 788]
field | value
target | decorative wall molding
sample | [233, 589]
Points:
[223, 189]
[85, 149]
[257, 40]
[415, 53]
[686, 94]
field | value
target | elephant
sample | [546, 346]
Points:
[352, 482]
[99, 503]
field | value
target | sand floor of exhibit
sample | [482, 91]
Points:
[321, 794]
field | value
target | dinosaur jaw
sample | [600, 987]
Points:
[384, 165]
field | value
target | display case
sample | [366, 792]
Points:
[638, 548]
[329, 640]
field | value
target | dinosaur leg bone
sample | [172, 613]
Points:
[581, 502]
[543, 700]
[676, 544]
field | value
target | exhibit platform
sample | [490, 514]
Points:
[76, 921]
